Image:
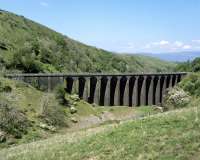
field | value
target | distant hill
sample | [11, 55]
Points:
[176, 57]
[26, 46]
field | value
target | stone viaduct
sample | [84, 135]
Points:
[109, 89]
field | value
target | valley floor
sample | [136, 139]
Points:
[169, 135]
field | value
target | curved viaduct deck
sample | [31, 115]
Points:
[109, 89]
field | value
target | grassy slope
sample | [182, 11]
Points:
[30, 102]
[174, 135]
[18, 32]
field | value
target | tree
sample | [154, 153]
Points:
[196, 65]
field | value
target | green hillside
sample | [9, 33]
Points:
[26, 46]
[38, 129]
[27, 114]
[174, 135]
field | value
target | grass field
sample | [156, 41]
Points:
[170, 135]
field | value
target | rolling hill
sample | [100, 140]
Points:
[174, 135]
[177, 56]
[26, 46]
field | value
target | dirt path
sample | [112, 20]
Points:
[105, 118]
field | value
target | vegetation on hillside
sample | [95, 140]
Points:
[24, 120]
[174, 135]
[186, 92]
[26, 46]
[189, 66]
[27, 114]
[191, 84]
[170, 135]
[176, 98]
[20, 115]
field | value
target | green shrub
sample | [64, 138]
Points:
[189, 66]
[60, 93]
[52, 115]
[176, 98]
[184, 67]
[12, 121]
[48, 68]
[196, 65]
[4, 86]
[191, 84]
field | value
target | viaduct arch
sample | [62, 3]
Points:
[109, 89]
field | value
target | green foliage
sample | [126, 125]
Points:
[12, 121]
[52, 115]
[171, 136]
[189, 66]
[31, 47]
[5, 87]
[30, 60]
[60, 93]
[184, 67]
[176, 98]
[196, 65]
[191, 84]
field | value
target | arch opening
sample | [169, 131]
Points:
[155, 83]
[122, 89]
[140, 82]
[173, 80]
[161, 88]
[82, 83]
[104, 82]
[131, 86]
[113, 84]
[93, 82]
[167, 81]
[148, 83]
[179, 78]
[69, 81]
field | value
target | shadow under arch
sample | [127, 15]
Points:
[122, 89]
[93, 81]
[113, 88]
[140, 82]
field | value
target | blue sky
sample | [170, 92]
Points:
[119, 25]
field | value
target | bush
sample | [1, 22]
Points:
[196, 65]
[52, 115]
[5, 87]
[12, 121]
[191, 84]
[60, 93]
[176, 98]
[189, 66]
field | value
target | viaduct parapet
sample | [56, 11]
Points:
[109, 89]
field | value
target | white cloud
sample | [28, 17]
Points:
[178, 44]
[161, 43]
[187, 47]
[44, 4]
[196, 41]
[165, 45]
